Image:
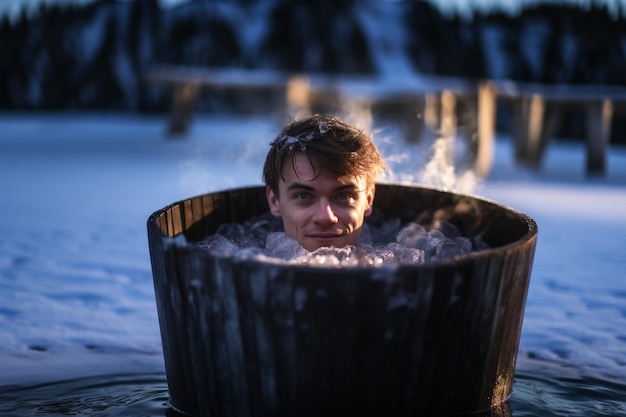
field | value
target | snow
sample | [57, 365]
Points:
[534, 34]
[90, 37]
[76, 295]
[387, 40]
[491, 37]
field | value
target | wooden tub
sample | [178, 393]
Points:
[248, 338]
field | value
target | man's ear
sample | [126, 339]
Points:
[272, 201]
[370, 200]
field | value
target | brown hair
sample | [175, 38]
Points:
[328, 143]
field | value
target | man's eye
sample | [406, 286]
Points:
[344, 196]
[303, 196]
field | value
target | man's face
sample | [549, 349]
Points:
[323, 210]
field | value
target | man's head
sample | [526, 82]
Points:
[320, 174]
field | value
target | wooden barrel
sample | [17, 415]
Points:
[248, 338]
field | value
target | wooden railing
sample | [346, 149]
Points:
[425, 103]
[538, 109]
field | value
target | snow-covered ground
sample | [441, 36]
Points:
[76, 295]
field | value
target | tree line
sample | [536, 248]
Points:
[94, 56]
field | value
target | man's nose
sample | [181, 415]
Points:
[325, 213]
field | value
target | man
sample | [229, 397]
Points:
[320, 174]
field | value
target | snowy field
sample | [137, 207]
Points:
[76, 295]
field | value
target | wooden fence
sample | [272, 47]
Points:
[443, 105]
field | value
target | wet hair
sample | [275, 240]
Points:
[329, 144]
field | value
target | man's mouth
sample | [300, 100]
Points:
[325, 236]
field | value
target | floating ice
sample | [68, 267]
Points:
[388, 243]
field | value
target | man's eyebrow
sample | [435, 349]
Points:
[350, 186]
[300, 186]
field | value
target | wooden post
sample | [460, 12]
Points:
[528, 112]
[535, 127]
[551, 119]
[448, 114]
[431, 110]
[298, 97]
[486, 128]
[184, 98]
[599, 118]
[412, 121]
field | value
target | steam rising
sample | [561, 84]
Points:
[437, 154]
[438, 157]
[441, 170]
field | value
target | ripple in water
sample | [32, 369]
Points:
[146, 396]
[116, 395]
[573, 397]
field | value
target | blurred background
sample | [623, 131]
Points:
[98, 55]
